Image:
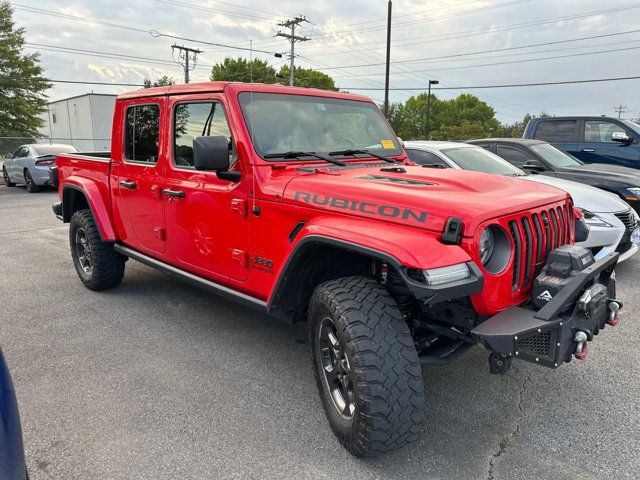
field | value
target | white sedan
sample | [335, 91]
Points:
[607, 215]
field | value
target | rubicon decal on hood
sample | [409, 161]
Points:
[371, 208]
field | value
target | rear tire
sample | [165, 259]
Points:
[97, 263]
[7, 180]
[28, 181]
[366, 366]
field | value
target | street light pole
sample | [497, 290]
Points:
[426, 130]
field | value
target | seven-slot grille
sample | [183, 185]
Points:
[534, 235]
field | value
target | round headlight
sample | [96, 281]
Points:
[494, 249]
[485, 247]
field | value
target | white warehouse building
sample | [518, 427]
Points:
[83, 121]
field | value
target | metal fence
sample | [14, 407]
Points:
[9, 145]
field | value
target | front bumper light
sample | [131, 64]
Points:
[593, 219]
[440, 276]
[635, 192]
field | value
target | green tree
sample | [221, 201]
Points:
[241, 70]
[460, 118]
[163, 81]
[516, 129]
[307, 77]
[22, 87]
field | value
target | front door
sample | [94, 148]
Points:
[598, 146]
[206, 217]
[137, 177]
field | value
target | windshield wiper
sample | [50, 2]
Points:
[363, 152]
[294, 154]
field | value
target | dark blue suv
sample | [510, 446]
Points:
[590, 139]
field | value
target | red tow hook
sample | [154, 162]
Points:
[614, 316]
[581, 348]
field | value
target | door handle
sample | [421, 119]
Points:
[173, 193]
[128, 184]
[588, 150]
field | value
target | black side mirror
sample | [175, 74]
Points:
[211, 153]
[621, 137]
[8, 156]
[533, 166]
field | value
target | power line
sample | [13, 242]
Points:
[156, 34]
[464, 54]
[291, 24]
[75, 81]
[474, 32]
[511, 85]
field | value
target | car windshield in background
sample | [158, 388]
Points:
[54, 149]
[479, 160]
[280, 123]
[555, 157]
[634, 127]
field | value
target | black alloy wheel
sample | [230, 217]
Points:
[83, 252]
[337, 370]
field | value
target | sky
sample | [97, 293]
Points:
[460, 43]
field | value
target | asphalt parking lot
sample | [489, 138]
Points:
[158, 380]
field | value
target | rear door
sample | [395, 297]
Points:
[206, 217]
[16, 164]
[598, 147]
[137, 175]
[562, 134]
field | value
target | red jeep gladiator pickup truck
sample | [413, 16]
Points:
[302, 204]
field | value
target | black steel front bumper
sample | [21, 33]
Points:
[548, 336]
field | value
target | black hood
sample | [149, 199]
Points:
[626, 175]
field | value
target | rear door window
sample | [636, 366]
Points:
[142, 130]
[557, 130]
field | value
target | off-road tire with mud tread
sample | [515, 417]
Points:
[108, 265]
[386, 374]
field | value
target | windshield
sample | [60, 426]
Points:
[634, 127]
[480, 160]
[280, 123]
[54, 149]
[555, 157]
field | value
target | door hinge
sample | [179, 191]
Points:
[239, 206]
[240, 257]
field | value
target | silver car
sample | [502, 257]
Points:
[613, 225]
[30, 164]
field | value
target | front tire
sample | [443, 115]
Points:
[7, 180]
[29, 183]
[366, 366]
[97, 263]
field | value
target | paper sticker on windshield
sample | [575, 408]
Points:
[321, 107]
[387, 144]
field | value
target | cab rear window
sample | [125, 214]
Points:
[142, 130]
[557, 131]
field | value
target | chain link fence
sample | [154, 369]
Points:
[9, 145]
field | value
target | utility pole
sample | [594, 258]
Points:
[386, 75]
[426, 130]
[185, 55]
[293, 38]
[620, 110]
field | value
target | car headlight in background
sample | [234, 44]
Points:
[635, 193]
[494, 249]
[485, 247]
[593, 219]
